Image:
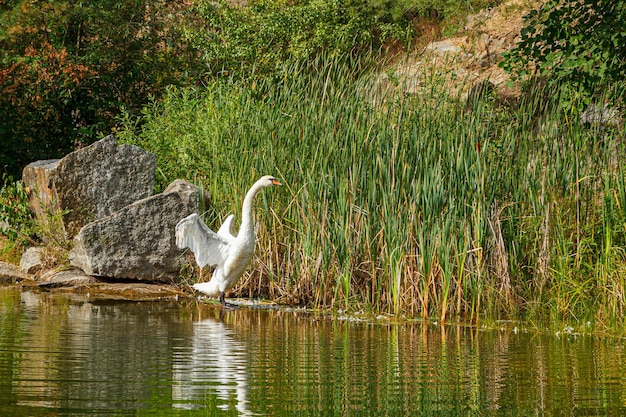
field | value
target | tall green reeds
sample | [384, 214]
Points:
[411, 204]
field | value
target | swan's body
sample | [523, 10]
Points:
[231, 254]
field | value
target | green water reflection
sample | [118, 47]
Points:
[64, 356]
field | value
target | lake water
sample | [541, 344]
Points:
[61, 355]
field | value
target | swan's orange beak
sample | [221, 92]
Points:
[275, 182]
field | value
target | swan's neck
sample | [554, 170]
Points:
[247, 223]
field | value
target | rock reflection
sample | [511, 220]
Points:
[73, 355]
[215, 362]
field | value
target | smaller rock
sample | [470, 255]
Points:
[483, 42]
[484, 59]
[601, 115]
[69, 278]
[477, 21]
[444, 46]
[36, 177]
[10, 274]
[31, 261]
[136, 291]
[497, 46]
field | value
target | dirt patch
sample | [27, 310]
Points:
[468, 59]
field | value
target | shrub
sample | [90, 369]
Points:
[264, 36]
[16, 222]
[573, 44]
[67, 67]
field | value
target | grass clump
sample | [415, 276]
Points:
[414, 205]
[19, 229]
[16, 222]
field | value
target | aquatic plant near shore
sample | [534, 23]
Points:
[414, 206]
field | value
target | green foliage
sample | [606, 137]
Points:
[20, 229]
[261, 38]
[66, 68]
[16, 221]
[574, 44]
[57, 246]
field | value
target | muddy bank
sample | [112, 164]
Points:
[76, 281]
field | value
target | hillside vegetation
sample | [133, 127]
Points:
[411, 202]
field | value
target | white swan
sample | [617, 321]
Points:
[229, 253]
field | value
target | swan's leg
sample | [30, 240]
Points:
[225, 304]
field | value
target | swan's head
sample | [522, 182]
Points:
[268, 181]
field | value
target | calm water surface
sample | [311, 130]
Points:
[64, 356]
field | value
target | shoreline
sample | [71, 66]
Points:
[96, 290]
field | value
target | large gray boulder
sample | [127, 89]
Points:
[90, 183]
[138, 241]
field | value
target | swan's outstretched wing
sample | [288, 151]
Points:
[208, 247]
[225, 229]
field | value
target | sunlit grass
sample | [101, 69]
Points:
[415, 206]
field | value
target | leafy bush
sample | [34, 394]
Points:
[264, 36]
[16, 222]
[578, 44]
[20, 229]
[67, 67]
[41, 96]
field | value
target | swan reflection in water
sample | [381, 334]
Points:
[214, 364]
